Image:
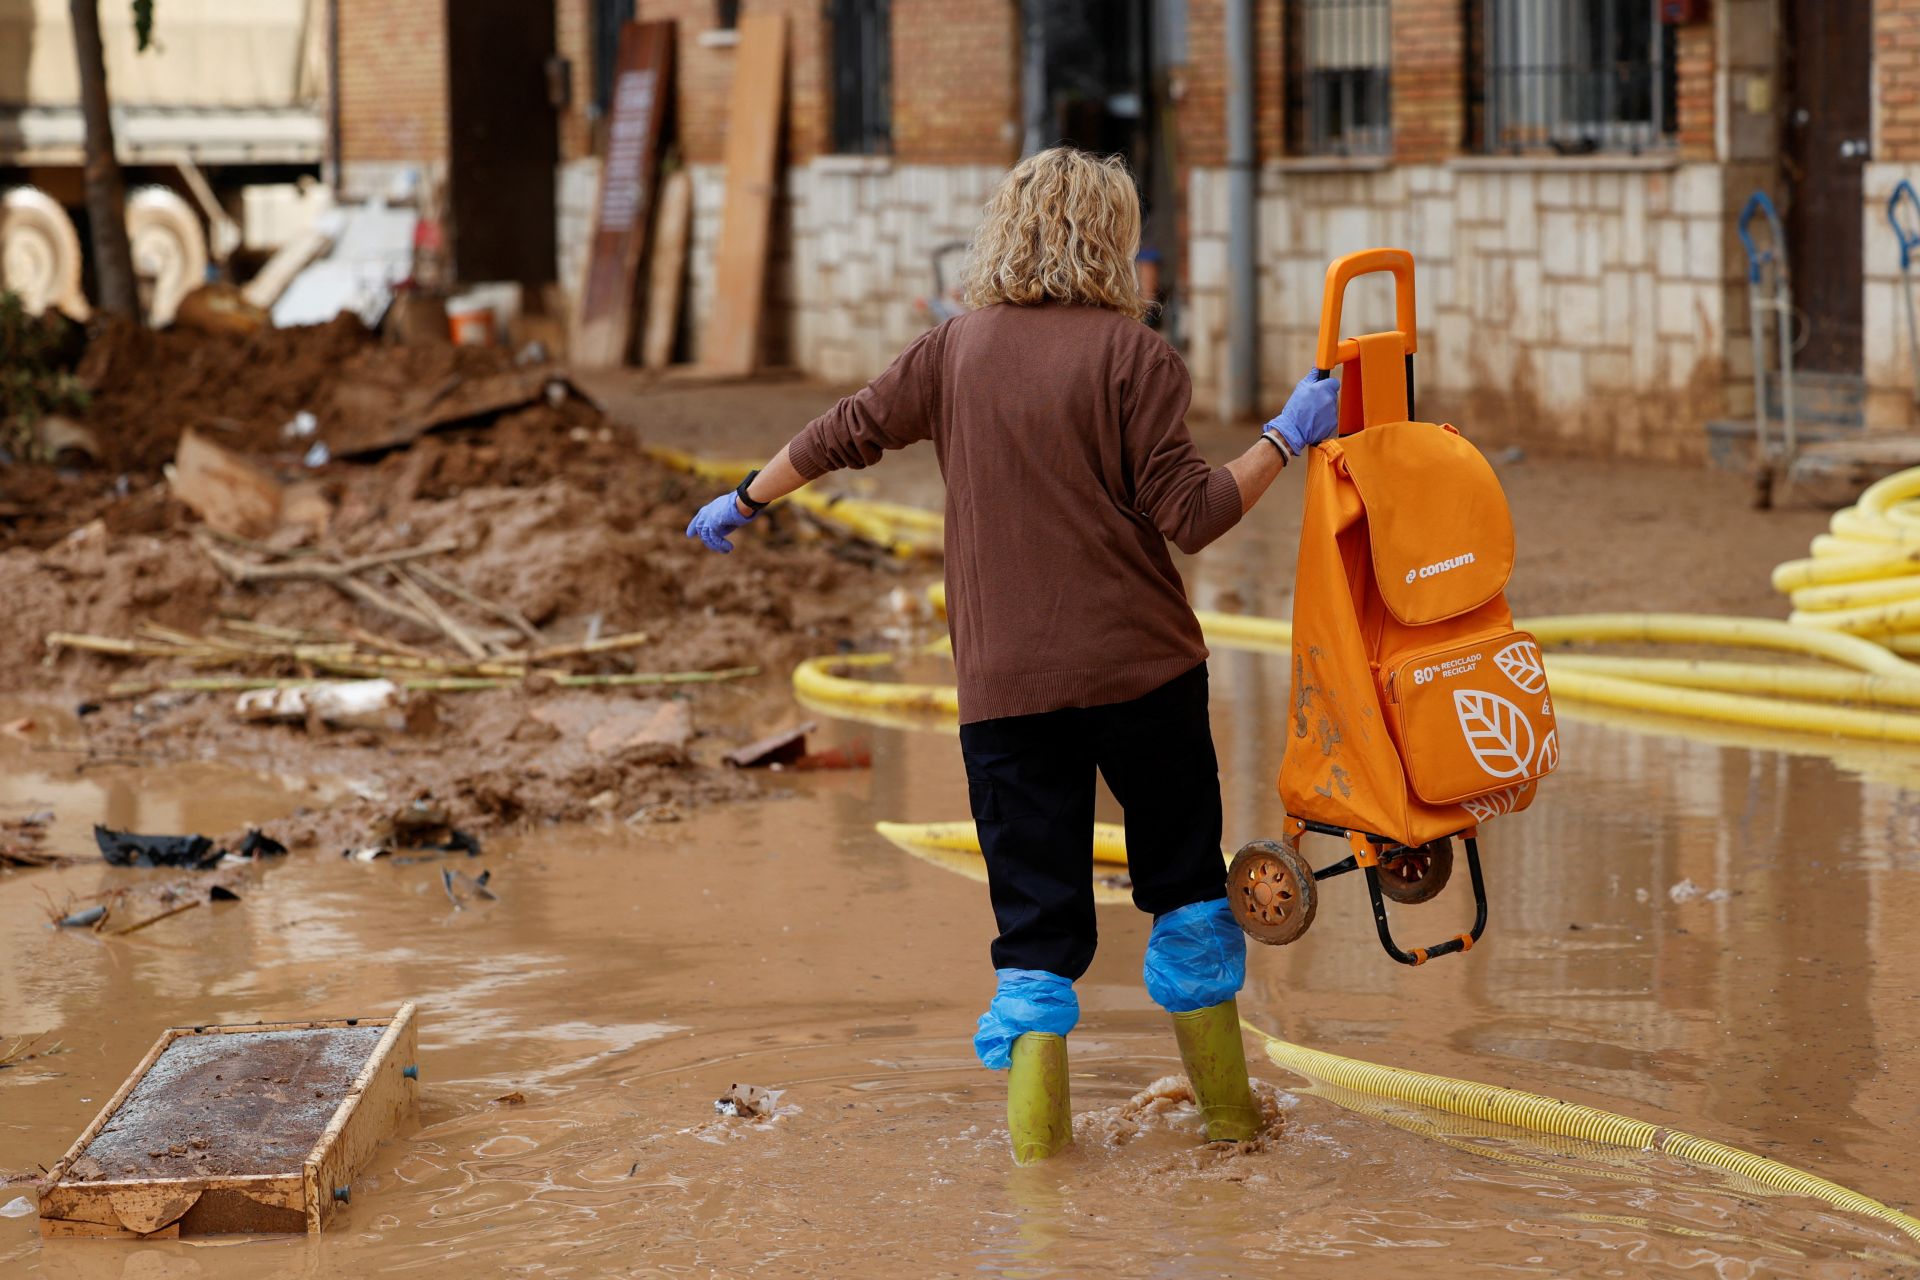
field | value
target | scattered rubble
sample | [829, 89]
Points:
[484, 543]
[747, 1101]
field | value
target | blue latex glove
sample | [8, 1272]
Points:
[1025, 1000]
[1312, 413]
[713, 522]
[1196, 957]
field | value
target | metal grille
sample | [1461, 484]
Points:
[862, 77]
[1339, 76]
[1571, 76]
[608, 17]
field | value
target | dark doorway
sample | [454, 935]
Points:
[1827, 60]
[503, 140]
[1087, 75]
[1092, 73]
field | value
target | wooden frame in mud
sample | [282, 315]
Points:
[382, 1097]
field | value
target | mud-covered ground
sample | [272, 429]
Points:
[1691, 927]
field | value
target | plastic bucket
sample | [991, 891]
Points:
[470, 322]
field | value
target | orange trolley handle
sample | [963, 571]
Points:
[1332, 349]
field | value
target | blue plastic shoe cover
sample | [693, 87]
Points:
[1027, 1000]
[1196, 957]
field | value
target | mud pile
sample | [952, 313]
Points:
[550, 510]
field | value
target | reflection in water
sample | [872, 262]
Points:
[625, 979]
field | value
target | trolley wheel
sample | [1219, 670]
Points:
[1272, 892]
[1417, 875]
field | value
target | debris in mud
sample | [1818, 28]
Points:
[84, 919]
[1688, 891]
[341, 704]
[784, 747]
[747, 1101]
[18, 1207]
[127, 849]
[26, 1049]
[421, 827]
[21, 842]
[194, 852]
[462, 888]
[788, 750]
[506, 570]
[514, 1099]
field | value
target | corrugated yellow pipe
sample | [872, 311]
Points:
[1540, 1114]
[1819, 684]
[1858, 594]
[1109, 839]
[1515, 1108]
[1734, 708]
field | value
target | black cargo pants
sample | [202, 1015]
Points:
[1031, 783]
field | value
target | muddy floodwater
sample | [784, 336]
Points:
[1709, 936]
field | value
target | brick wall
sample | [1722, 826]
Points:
[703, 74]
[1201, 127]
[393, 84]
[573, 40]
[1429, 79]
[1896, 58]
[956, 81]
[1695, 89]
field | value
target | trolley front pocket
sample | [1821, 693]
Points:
[1472, 717]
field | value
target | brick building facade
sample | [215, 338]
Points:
[1580, 276]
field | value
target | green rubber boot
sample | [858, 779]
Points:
[1039, 1111]
[1216, 1064]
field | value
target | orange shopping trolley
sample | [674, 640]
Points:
[1417, 711]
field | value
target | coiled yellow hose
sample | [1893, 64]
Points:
[1784, 698]
[1539, 1114]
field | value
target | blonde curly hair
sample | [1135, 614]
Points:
[1064, 226]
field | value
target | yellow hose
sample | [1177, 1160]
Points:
[1109, 839]
[1819, 684]
[1721, 692]
[1539, 1114]
[901, 530]
[1482, 1102]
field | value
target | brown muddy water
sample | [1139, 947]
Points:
[1700, 934]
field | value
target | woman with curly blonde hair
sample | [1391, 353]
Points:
[1060, 424]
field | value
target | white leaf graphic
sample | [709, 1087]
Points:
[1497, 732]
[1493, 804]
[1521, 661]
[1549, 758]
[1546, 705]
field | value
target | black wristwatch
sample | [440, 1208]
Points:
[741, 493]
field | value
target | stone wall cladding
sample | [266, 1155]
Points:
[576, 188]
[1888, 364]
[1583, 308]
[846, 296]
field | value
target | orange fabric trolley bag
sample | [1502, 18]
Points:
[1417, 711]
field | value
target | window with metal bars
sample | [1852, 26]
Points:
[1339, 76]
[862, 76]
[1570, 76]
[608, 17]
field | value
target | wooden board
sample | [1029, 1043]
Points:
[244, 1188]
[642, 88]
[668, 269]
[754, 116]
[224, 488]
